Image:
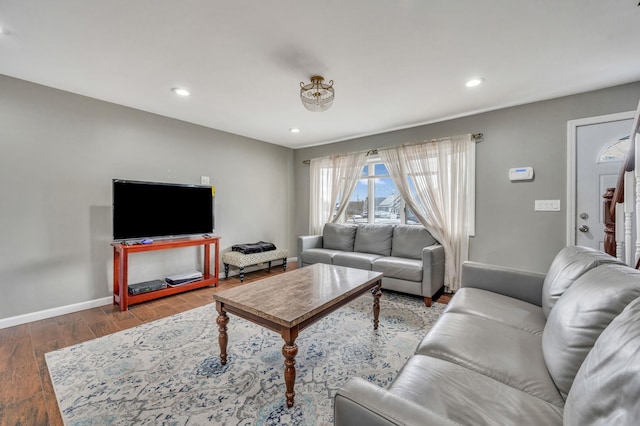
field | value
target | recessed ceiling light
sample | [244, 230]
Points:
[181, 92]
[475, 82]
[294, 130]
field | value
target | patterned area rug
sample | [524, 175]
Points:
[169, 371]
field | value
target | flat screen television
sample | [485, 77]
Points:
[161, 210]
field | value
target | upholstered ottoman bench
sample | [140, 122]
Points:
[241, 260]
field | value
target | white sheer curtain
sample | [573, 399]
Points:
[443, 199]
[333, 180]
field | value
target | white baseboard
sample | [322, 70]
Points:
[54, 312]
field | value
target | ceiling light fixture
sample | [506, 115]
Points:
[475, 82]
[317, 96]
[294, 130]
[181, 92]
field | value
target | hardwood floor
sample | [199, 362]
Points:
[26, 392]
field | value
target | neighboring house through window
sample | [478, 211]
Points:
[376, 198]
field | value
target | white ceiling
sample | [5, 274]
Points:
[395, 63]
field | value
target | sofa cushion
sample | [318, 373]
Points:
[580, 315]
[374, 239]
[497, 307]
[468, 397]
[568, 265]
[496, 350]
[409, 240]
[338, 237]
[355, 260]
[318, 255]
[398, 267]
[606, 388]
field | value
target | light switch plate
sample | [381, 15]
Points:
[204, 180]
[547, 206]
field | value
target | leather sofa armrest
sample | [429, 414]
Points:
[360, 403]
[523, 285]
[432, 269]
[307, 242]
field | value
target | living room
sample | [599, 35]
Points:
[61, 150]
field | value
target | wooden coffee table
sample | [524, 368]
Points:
[290, 302]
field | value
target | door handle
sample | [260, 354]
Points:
[583, 228]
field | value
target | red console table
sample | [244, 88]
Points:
[121, 253]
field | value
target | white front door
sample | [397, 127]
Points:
[596, 170]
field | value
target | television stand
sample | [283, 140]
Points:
[121, 253]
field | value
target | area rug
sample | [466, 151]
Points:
[168, 371]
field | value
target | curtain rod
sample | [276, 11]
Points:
[477, 137]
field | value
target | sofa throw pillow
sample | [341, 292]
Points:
[374, 239]
[338, 237]
[581, 314]
[568, 265]
[409, 240]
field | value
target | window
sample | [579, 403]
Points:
[616, 151]
[376, 198]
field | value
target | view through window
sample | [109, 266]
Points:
[376, 199]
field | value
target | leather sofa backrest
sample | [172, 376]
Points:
[409, 240]
[568, 265]
[374, 239]
[581, 314]
[338, 237]
[606, 388]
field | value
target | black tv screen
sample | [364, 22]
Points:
[154, 209]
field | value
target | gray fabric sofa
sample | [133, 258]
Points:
[517, 348]
[411, 260]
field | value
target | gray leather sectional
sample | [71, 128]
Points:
[411, 260]
[518, 348]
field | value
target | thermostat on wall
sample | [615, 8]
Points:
[521, 173]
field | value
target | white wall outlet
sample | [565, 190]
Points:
[205, 180]
[547, 206]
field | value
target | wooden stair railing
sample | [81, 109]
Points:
[609, 220]
[628, 166]
[618, 192]
[612, 197]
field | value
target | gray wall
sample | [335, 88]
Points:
[508, 231]
[59, 152]
[58, 155]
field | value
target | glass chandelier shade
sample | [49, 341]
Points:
[317, 96]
